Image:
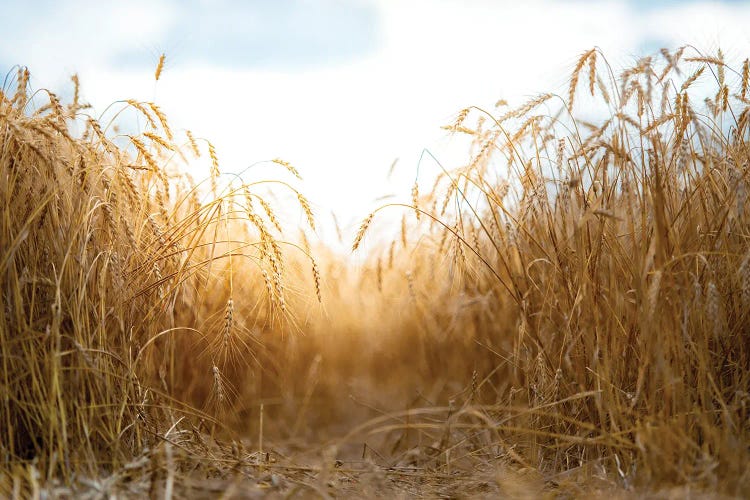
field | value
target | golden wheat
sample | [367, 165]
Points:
[577, 306]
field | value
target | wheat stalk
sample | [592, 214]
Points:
[362, 230]
[193, 144]
[415, 199]
[316, 279]
[307, 210]
[576, 73]
[159, 66]
[288, 166]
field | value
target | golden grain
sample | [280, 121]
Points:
[689, 82]
[288, 166]
[159, 66]
[316, 280]
[162, 119]
[307, 210]
[362, 230]
[575, 75]
[415, 199]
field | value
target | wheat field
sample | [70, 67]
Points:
[566, 314]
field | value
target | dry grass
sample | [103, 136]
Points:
[566, 314]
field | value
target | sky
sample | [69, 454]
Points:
[342, 88]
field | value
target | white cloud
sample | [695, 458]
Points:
[56, 39]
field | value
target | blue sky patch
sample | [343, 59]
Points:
[268, 35]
